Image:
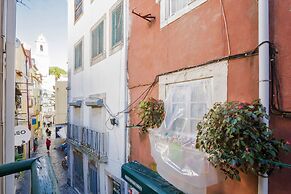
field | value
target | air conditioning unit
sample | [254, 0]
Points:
[76, 103]
[96, 103]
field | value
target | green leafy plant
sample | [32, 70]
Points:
[151, 113]
[237, 140]
[57, 72]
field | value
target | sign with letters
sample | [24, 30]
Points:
[22, 135]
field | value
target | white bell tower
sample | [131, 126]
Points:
[41, 55]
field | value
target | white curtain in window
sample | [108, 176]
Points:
[177, 5]
[173, 144]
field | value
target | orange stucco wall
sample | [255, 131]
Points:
[280, 34]
[195, 38]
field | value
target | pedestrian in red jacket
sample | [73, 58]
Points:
[48, 144]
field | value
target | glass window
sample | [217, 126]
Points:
[78, 9]
[78, 174]
[117, 25]
[97, 37]
[176, 5]
[79, 55]
[191, 100]
[94, 186]
[173, 9]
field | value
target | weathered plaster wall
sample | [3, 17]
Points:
[280, 35]
[195, 38]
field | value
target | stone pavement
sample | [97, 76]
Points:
[23, 183]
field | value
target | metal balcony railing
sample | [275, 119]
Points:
[43, 178]
[94, 142]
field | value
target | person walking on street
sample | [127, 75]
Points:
[35, 144]
[48, 132]
[48, 144]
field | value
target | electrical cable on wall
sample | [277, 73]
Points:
[275, 97]
[250, 53]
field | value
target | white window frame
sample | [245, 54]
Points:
[78, 69]
[119, 45]
[102, 55]
[164, 21]
[188, 117]
[216, 71]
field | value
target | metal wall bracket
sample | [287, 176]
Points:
[147, 17]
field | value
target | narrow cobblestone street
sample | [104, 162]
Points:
[56, 156]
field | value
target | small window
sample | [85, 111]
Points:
[79, 55]
[41, 47]
[173, 9]
[98, 43]
[117, 25]
[78, 9]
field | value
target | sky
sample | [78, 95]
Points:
[47, 17]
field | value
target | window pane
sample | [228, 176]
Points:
[198, 110]
[179, 108]
[189, 102]
[117, 25]
[101, 38]
[94, 45]
[98, 40]
[176, 5]
[78, 55]
[78, 172]
[94, 182]
[78, 8]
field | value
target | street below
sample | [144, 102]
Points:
[56, 155]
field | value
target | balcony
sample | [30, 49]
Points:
[89, 141]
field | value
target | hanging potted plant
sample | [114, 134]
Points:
[151, 113]
[237, 140]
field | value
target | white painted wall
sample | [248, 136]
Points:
[10, 35]
[106, 77]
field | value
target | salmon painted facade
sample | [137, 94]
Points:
[187, 41]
